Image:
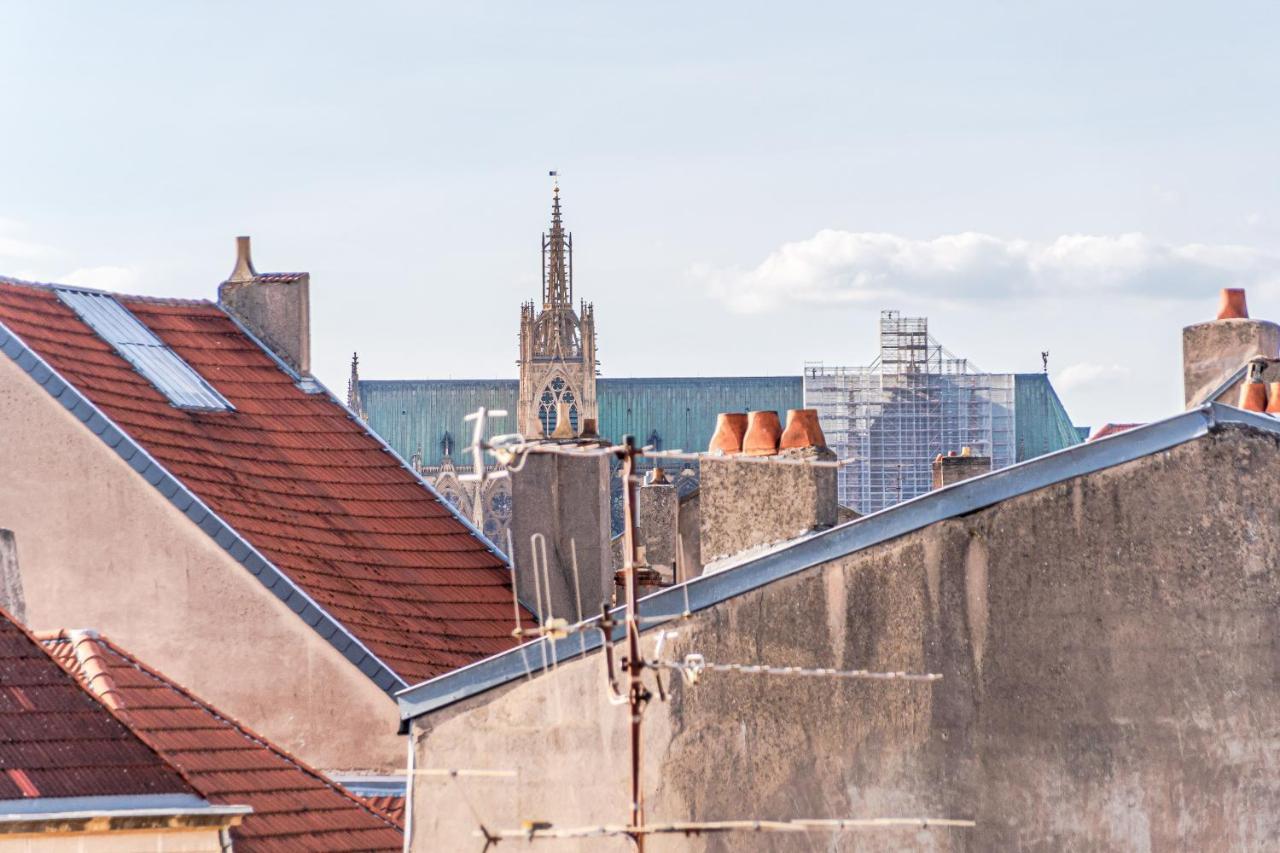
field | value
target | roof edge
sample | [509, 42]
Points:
[64, 636]
[186, 502]
[814, 549]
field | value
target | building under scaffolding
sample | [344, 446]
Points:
[914, 401]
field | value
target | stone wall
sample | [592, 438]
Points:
[1109, 647]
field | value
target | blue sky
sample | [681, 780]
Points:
[748, 184]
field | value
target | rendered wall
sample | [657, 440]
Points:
[1109, 648]
[158, 841]
[99, 548]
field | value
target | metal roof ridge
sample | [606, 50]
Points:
[814, 549]
[186, 501]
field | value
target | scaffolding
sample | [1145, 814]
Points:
[892, 417]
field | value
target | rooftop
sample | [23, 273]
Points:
[288, 481]
[755, 570]
[293, 805]
[57, 742]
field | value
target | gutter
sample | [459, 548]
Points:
[952, 501]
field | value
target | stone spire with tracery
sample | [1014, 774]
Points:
[557, 343]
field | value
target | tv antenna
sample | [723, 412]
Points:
[626, 666]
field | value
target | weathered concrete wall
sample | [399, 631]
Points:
[689, 526]
[1109, 647]
[566, 499]
[746, 503]
[1213, 351]
[101, 548]
[657, 520]
[118, 841]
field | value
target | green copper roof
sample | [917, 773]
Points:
[1041, 424]
[414, 415]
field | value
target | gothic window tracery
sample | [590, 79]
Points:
[555, 392]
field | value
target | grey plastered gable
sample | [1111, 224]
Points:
[187, 502]
[813, 550]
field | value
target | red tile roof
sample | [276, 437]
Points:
[56, 740]
[1110, 429]
[294, 806]
[297, 477]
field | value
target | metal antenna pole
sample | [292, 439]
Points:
[637, 694]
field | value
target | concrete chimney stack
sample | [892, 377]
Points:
[1213, 351]
[953, 468]
[275, 307]
[565, 498]
[747, 502]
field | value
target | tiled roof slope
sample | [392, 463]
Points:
[294, 807]
[297, 477]
[56, 740]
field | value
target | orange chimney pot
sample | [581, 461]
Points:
[803, 430]
[1273, 398]
[731, 428]
[1232, 305]
[764, 431]
[1253, 396]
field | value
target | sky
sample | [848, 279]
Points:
[748, 185]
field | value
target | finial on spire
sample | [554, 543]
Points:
[353, 385]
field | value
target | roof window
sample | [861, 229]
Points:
[138, 345]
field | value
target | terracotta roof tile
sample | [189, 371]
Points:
[295, 475]
[57, 740]
[294, 806]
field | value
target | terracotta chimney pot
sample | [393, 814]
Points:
[1253, 396]
[1273, 398]
[589, 429]
[764, 431]
[803, 430]
[1232, 305]
[731, 428]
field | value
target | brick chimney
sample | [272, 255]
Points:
[275, 307]
[954, 467]
[1213, 351]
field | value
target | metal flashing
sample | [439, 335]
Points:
[187, 502]
[815, 549]
[114, 806]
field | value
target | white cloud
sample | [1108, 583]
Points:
[868, 267]
[1086, 374]
[102, 278]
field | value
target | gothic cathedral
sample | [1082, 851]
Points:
[557, 346]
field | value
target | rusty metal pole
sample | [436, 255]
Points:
[636, 692]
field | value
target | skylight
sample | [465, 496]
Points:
[139, 346]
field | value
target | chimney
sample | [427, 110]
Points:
[565, 498]
[1213, 351]
[11, 594]
[275, 307]
[952, 468]
[657, 522]
[766, 494]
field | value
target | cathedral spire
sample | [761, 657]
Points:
[557, 257]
